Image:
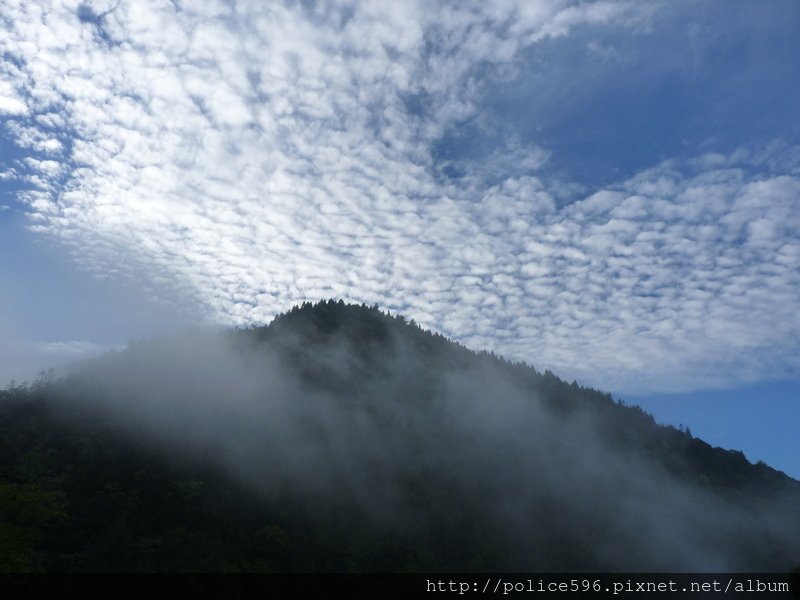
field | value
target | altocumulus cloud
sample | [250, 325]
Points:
[262, 154]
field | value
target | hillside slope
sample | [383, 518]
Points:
[339, 438]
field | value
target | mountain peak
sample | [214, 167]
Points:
[348, 438]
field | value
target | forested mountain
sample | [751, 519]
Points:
[339, 438]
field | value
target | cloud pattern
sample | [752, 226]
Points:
[256, 155]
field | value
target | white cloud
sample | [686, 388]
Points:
[262, 154]
[72, 349]
[10, 102]
[11, 106]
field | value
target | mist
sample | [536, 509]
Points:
[408, 440]
[53, 313]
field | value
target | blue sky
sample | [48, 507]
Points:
[609, 189]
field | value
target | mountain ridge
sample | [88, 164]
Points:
[340, 315]
[341, 438]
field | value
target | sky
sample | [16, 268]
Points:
[609, 190]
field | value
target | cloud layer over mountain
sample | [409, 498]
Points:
[409, 438]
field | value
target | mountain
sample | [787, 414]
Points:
[342, 439]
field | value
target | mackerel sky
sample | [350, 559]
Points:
[607, 189]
